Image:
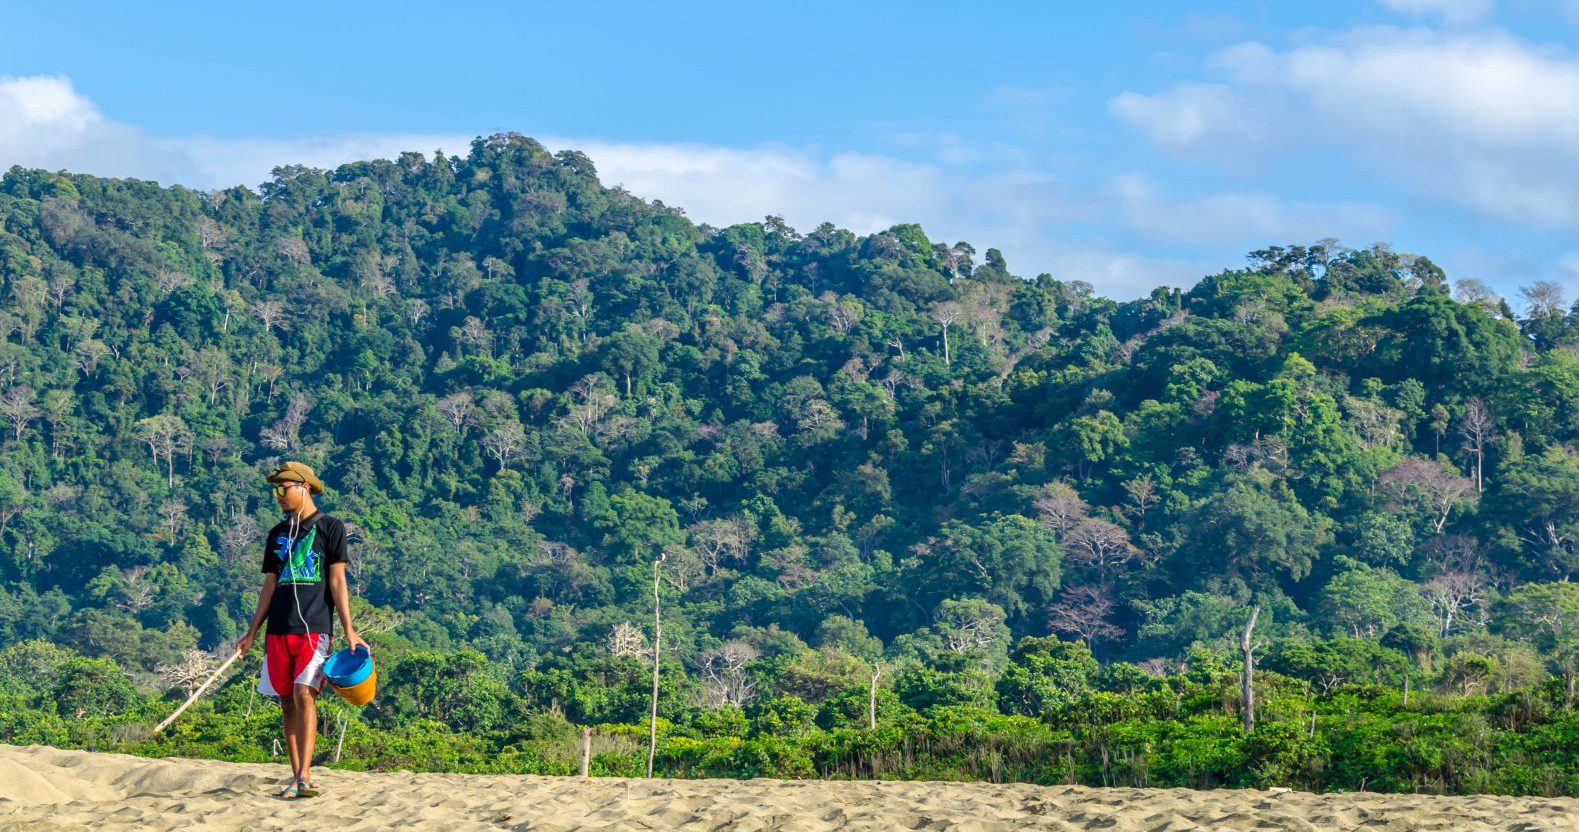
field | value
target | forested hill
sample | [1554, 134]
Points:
[522, 387]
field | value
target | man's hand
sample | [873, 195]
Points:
[353, 640]
[245, 644]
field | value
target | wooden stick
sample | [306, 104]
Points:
[657, 636]
[199, 692]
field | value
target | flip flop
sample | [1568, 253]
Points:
[305, 790]
[291, 792]
[283, 789]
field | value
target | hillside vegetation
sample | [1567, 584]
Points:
[1039, 516]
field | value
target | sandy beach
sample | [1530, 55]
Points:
[50, 789]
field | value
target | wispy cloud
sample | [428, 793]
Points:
[1483, 120]
[1196, 119]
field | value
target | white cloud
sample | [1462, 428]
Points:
[1451, 12]
[1194, 119]
[45, 123]
[1485, 121]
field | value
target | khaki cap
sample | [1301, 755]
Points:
[297, 472]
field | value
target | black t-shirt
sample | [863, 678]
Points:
[302, 603]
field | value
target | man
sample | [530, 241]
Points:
[304, 578]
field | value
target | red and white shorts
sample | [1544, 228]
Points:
[291, 659]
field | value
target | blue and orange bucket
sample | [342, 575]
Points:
[350, 672]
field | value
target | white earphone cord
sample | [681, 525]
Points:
[290, 555]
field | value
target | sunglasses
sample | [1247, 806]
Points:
[279, 490]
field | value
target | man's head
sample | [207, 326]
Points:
[295, 484]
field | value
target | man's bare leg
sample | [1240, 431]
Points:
[288, 708]
[306, 730]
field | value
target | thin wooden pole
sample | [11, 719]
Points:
[871, 698]
[340, 743]
[657, 634]
[199, 692]
[586, 751]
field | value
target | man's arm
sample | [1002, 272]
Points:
[262, 612]
[342, 603]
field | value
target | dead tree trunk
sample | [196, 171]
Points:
[1247, 688]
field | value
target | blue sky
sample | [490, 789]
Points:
[1130, 146]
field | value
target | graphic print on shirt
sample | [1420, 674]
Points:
[299, 566]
